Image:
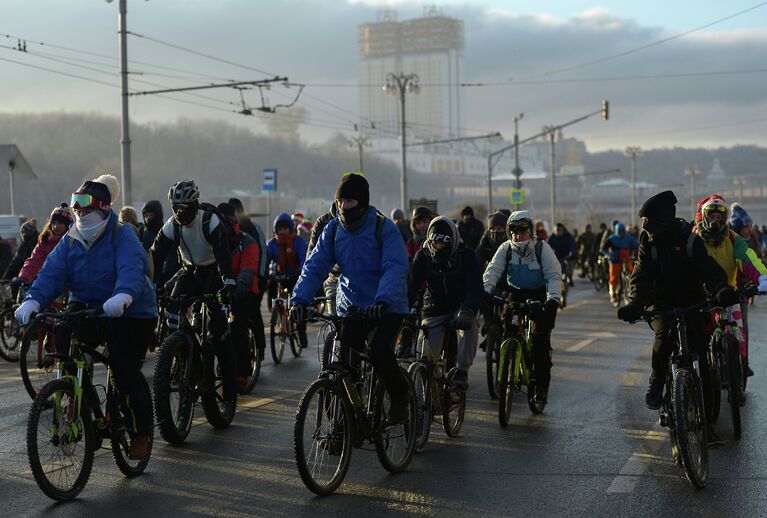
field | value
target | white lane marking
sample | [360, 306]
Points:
[592, 337]
[629, 476]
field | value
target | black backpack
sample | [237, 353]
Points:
[208, 211]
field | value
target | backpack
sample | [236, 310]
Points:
[208, 211]
[538, 251]
[380, 220]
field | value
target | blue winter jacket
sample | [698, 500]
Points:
[370, 272]
[115, 263]
[616, 243]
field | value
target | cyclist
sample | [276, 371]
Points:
[453, 292]
[532, 271]
[286, 253]
[303, 231]
[374, 268]
[398, 217]
[540, 231]
[419, 224]
[470, 228]
[620, 248]
[585, 245]
[103, 264]
[58, 225]
[245, 258]
[563, 244]
[668, 276]
[733, 255]
[492, 238]
[203, 242]
[29, 235]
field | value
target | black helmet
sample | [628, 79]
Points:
[185, 191]
[421, 212]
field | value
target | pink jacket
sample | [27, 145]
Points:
[35, 261]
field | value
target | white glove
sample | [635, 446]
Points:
[24, 312]
[762, 284]
[115, 306]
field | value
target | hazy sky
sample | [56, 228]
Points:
[711, 90]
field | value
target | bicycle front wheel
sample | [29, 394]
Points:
[322, 437]
[174, 391]
[453, 406]
[10, 336]
[491, 360]
[278, 334]
[218, 411]
[422, 384]
[507, 382]
[395, 444]
[690, 426]
[36, 368]
[60, 441]
[734, 382]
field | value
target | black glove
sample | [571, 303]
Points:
[631, 312]
[551, 306]
[225, 294]
[375, 312]
[298, 313]
[728, 296]
[241, 290]
[464, 320]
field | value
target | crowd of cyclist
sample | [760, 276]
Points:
[382, 267]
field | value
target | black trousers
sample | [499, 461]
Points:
[381, 340]
[244, 310]
[200, 281]
[697, 342]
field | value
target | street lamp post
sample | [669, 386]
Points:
[517, 169]
[633, 152]
[692, 171]
[402, 84]
[125, 161]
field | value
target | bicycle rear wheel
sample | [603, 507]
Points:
[218, 411]
[422, 385]
[690, 426]
[254, 370]
[734, 381]
[10, 336]
[60, 443]
[395, 444]
[278, 335]
[174, 391]
[491, 360]
[716, 364]
[37, 369]
[453, 406]
[322, 437]
[120, 440]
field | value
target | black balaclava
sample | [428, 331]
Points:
[658, 214]
[442, 229]
[497, 219]
[353, 187]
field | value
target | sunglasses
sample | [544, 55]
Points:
[83, 200]
[180, 207]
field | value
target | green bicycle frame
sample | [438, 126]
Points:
[77, 380]
[521, 369]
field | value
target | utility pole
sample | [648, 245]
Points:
[125, 162]
[692, 171]
[633, 152]
[517, 170]
[360, 142]
[402, 84]
[551, 131]
[740, 182]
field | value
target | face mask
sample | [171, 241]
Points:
[91, 225]
[498, 237]
[351, 216]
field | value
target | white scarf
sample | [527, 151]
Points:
[91, 226]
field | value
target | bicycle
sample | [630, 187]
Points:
[565, 288]
[10, 331]
[254, 357]
[187, 369]
[281, 329]
[345, 407]
[68, 419]
[434, 393]
[602, 272]
[624, 290]
[683, 411]
[493, 338]
[516, 357]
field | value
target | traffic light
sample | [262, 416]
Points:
[605, 110]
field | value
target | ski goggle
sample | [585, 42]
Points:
[519, 228]
[83, 200]
[715, 208]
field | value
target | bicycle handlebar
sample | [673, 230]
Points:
[67, 315]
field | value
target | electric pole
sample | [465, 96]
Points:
[692, 171]
[551, 132]
[517, 170]
[633, 152]
[359, 142]
[125, 162]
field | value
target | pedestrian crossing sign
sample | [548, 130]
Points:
[517, 197]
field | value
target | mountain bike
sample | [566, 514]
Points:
[254, 357]
[624, 290]
[11, 331]
[69, 421]
[683, 409]
[601, 274]
[434, 393]
[187, 368]
[493, 328]
[281, 329]
[345, 407]
[516, 357]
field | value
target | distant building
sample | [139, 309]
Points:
[432, 48]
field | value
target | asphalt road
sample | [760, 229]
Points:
[596, 451]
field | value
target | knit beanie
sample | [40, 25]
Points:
[353, 186]
[739, 218]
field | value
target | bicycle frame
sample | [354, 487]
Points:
[518, 329]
